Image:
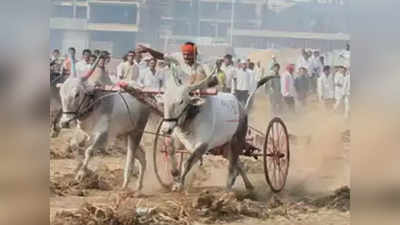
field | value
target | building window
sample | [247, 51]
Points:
[123, 14]
[81, 12]
[62, 11]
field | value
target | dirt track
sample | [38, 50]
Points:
[316, 170]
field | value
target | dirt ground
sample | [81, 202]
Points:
[317, 169]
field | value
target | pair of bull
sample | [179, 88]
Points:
[221, 120]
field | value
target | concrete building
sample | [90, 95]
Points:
[96, 24]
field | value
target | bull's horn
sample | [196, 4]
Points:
[204, 83]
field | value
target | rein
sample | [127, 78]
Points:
[79, 113]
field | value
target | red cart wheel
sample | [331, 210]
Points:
[162, 164]
[276, 154]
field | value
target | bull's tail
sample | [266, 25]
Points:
[259, 84]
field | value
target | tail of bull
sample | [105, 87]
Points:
[259, 84]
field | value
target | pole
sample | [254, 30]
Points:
[232, 17]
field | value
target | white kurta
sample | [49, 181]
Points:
[287, 85]
[149, 80]
[326, 86]
[82, 68]
[230, 73]
[242, 80]
[339, 86]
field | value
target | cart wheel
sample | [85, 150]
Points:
[162, 164]
[276, 154]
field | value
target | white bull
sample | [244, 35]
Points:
[103, 118]
[217, 121]
[220, 120]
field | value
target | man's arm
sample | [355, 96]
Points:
[152, 52]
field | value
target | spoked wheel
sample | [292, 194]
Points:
[161, 158]
[276, 154]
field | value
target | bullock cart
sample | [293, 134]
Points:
[272, 146]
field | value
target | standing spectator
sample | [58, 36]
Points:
[100, 76]
[220, 76]
[287, 88]
[346, 95]
[129, 70]
[55, 65]
[83, 66]
[253, 77]
[96, 52]
[273, 90]
[150, 77]
[326, 87]
[301, 84]
[92, 59]
[316, 69]
[259, 71]
[273, 62]
[339, 86]
[120, 65]
[304, 60]
[241, 83]
[66, 68]
[230, 72]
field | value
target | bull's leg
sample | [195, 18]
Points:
[55, 129]
[99, 141]
[171, 148]
[193, 158]
[133, 143]
[243, 174]
[232, 168]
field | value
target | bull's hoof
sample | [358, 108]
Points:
[54, 133]
[177, 187]
[80, 175]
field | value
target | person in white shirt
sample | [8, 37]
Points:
[346, 96]
[288, 89]
[303, 61]
[83, 66]
[259, 70]
[339, 86]
[230, 72]
[150, 77]
[129, 70]
[192, 72]
[253, 77]
[315, 70]
[326, 87]
[241, 83]
[120, 65]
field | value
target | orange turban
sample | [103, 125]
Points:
[188, 49]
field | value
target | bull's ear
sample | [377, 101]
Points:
[197, 101]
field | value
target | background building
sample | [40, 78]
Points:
[119, 25]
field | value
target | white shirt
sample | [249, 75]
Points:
[302, 62]
[82, 67]
[315, 66]
[230, 73]
[287, 85]
[149, 80]
[185, 71]
[252, 80]
[326, 86]
[242, 80]
[119, 69]
[339, 85]
[346, 85]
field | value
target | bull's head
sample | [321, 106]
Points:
[177, 100]
[73, 92]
